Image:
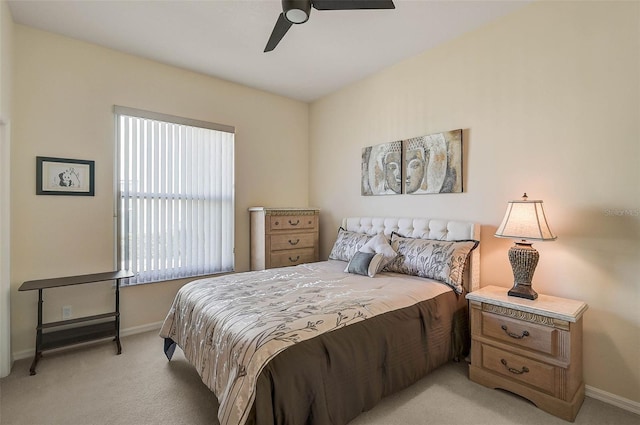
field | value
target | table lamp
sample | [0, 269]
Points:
[524, 221]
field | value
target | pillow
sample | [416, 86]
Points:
[440, 260]
[347, 244]
[379, 244]
[364, 263]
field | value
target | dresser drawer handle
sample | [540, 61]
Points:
[512, 335]
[293, 260]
[294, 224]
[294, 243]
[512, 370]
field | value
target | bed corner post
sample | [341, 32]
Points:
[169, 348]
[475, 261]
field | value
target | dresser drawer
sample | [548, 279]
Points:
[520, 333]
[292, 222]
[292, 257]
[292, 241]
[525, 370]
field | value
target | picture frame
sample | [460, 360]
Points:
[64, 176]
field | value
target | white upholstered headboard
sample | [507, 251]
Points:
[424, 228]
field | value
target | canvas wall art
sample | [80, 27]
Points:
[433, 163]
[382, 169]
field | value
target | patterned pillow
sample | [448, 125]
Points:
[347, 244]
[440, 260]
[364, 263]
[379, 244]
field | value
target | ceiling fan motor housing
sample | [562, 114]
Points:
[296, 11]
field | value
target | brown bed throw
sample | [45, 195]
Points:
[332, 378]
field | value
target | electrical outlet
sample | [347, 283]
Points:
[66, 312]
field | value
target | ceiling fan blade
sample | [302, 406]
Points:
[279, 30]
[352, 4]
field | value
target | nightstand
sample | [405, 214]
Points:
[532, 348]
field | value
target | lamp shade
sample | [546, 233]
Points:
[525, 220]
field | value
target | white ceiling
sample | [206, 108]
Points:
[226, 38]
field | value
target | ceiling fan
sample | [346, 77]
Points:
[298, 11]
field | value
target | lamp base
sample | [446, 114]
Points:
[524, 259]
[523, 291]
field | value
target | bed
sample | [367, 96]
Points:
[320, 343]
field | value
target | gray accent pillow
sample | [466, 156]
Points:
[364, 263]
[440, 260]
[347, 244]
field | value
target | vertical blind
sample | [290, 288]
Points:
[175, 196]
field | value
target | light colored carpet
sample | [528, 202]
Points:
[91, 385]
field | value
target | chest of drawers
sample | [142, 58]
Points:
[532, 348]
[283, 237]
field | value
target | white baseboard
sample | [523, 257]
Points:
[25, 354]
[142, 328]
[614, 400]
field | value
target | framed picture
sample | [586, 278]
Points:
[382, 169]
[61, 176]
[433, 163]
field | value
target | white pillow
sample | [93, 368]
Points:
[379, 244]
[364, 263]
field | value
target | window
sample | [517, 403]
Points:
[175, 196]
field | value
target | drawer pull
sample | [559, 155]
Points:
[294, 243]
[512, 370]
[294, 224]
[293, 260]
[512, 335]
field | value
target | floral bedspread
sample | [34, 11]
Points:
[229, 327]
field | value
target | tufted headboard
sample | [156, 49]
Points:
[424, 228]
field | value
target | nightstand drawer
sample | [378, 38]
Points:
[530, 372]
[293, 241]
[519, 333]
[292, 222]
[293, 257]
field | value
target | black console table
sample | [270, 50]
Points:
[106, 325]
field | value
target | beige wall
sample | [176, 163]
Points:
[549, 100]
[6, 62]
[64, 94]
